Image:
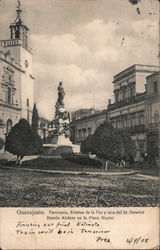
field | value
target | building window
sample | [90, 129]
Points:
[142, 120]
[116, 96]
[84, 133]
[125, 122]
[155, 87]
[132, 91]
[9, 97]
[17, 32]
[79, 133]
[8, 126]
[156, 118]
[124, 94]
[132, 121]
[89, 131]
[116, 123]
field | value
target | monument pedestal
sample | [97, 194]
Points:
[59, 140]
[58, 145]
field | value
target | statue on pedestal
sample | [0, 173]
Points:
[59, 133]
[61, 95]
[62, 117]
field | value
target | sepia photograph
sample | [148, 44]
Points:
[79, 103]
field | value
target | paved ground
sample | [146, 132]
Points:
[27, 188]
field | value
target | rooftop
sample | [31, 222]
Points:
[135, 68]
[91, 116]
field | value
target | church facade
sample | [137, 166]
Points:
[16, 76]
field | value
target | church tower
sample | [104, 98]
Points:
[18, 48]
[18, 29]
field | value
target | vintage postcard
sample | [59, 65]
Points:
[79, 124]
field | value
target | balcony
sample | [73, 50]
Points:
[10, 42]
[127, 101]
[137, 129]
[154, 127]
[121, 103]
[152, 97]
[13, 42]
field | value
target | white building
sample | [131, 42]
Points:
[153, 114]
[128, 110]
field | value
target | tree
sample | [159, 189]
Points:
[129, 145]
[110, 144]
[86, 145]
[23, 140]
[35, 118]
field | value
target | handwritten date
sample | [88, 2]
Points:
[136, 240]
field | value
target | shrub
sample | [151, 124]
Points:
[110, 144]
[129, 146]
[81, 159]
[23, 140]
[86, 145]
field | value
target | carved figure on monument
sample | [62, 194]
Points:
[61, 95]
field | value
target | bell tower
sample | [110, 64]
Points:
[18, 29]
[18, 48]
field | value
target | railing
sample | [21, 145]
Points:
[122, 103]
[154, 126]
[10, 42]
[134, 129]
[137, 129]
[153, 96]
[13, 42]
[125, 102]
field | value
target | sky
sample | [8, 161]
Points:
[84, 43]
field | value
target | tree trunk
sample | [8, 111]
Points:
[20, 161]
[103, 164]
[17, 161]
[106, 165]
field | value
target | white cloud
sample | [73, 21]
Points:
[80, 87]
[86, 60]
[57, 49]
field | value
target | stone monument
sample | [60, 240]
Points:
[59, 134]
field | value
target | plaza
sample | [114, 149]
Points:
[41, 189]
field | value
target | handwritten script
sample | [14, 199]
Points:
[92, 223]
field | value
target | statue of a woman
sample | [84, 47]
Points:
[61, 95]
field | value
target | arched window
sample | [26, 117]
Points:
[79, 134]
[9, 126]
[84, 132]
[17, 32]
